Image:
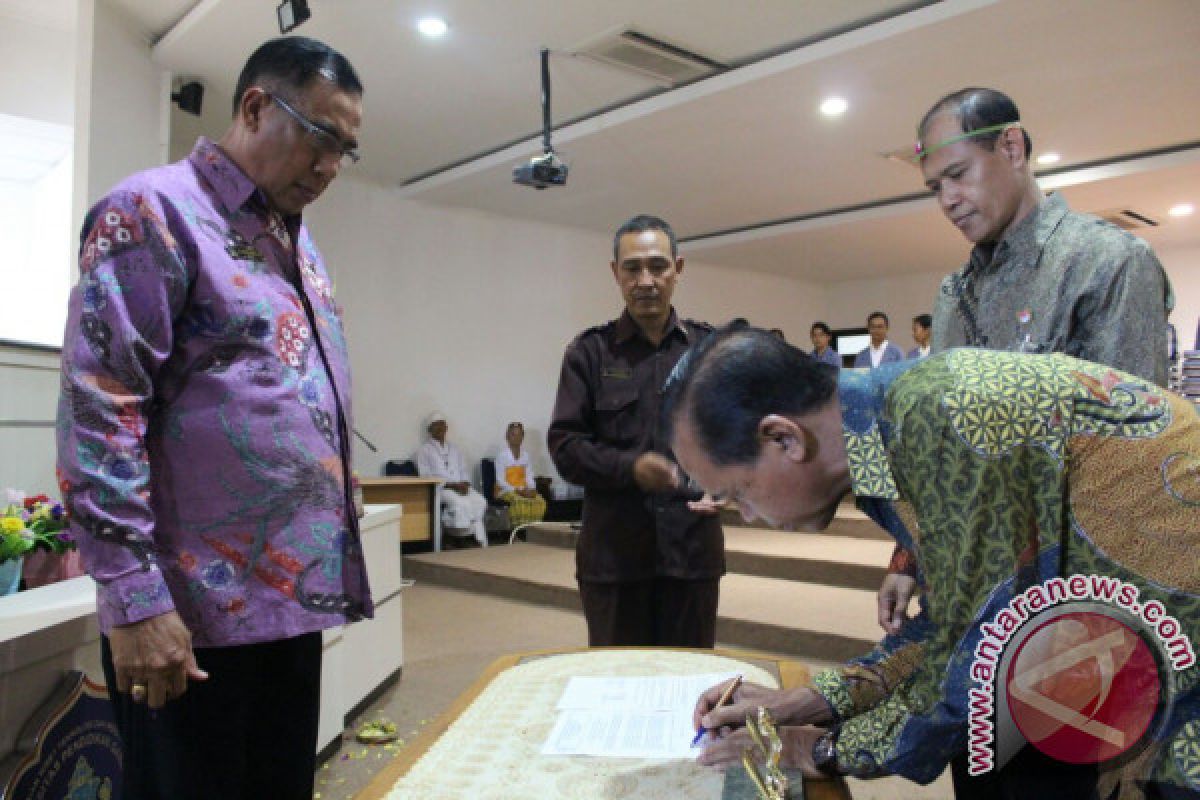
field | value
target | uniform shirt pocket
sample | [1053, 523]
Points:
[617, 412]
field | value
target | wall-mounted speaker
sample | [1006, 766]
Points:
[190, 97]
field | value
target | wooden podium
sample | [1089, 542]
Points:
[418, 497]
[457, 753]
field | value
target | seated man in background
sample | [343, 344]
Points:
[821, 337]
[1010, 477]
[880, 351]
[514, 479]
[462, 506]
[922, 330]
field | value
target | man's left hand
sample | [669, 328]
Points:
[797, 749]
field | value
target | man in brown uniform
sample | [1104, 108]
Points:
[649, 562]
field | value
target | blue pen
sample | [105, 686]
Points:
[725, 697]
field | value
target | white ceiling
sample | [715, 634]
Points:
[1097, 80]
[57, 14]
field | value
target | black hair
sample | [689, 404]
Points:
[292, 62]
[924, 320]
[728, 382]
[878, 315]
[820, 326]
[977, 108]
[640, 224]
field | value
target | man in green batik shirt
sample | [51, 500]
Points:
[999, 471]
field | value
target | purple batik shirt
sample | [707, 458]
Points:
[203, 425]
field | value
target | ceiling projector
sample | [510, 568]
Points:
[541, 171]
[547, 169]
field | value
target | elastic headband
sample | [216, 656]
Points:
[920, 152]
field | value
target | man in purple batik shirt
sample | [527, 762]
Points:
[203, 440]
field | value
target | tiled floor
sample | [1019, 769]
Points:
[450, 636]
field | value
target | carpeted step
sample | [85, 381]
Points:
[811, 620]
[847, 561]
[849, 521]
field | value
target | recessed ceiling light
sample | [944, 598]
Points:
[433, 27]
[1049, 158]
[1181, 210]
[834, 106]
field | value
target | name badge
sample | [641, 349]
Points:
[620, 373]
[237, 247]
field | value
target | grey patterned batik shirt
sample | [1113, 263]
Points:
[1061, 282]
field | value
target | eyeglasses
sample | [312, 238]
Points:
[323, 140]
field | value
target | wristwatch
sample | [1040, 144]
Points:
[824, 754]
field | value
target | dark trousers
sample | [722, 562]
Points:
[666, 612]
[1029, 775]
[248, 732]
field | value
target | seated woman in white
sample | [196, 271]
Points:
[514, 479]
[462, 506]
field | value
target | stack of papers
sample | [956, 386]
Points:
[633, 717]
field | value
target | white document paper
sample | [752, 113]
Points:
[633, 717]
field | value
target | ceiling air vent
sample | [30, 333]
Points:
[902, 155]
[1126, 219]
[652, 58]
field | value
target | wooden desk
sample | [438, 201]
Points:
[421, 521]
[791, 673]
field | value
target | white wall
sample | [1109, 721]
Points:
[904, 297]
[1183, 268]
[27, 405]
[470, 313]
[119, 115]
[215, 115]
[122, 103]
[848, 303]
[38, 77]
[37, 83]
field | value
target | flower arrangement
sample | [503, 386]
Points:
[33, 523]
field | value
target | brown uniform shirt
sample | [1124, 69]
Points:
[605, 416]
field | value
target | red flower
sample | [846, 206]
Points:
[31, 502]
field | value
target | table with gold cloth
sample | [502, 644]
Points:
[487, 746]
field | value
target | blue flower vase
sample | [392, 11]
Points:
[10, 575]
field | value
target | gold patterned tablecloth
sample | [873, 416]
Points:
[492, 751]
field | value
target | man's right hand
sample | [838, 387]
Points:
[156, 654]
[654, 472]
[800, 706]
[707, 505]
[892, 601]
